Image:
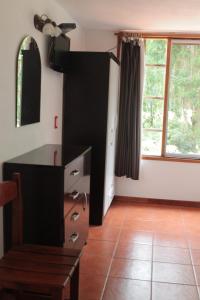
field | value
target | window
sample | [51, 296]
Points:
[171, 102]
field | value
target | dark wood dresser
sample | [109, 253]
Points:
[55, 191]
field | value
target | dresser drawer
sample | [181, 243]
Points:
[73, 195]
[71, 199]
[76, 224]
[73, 172]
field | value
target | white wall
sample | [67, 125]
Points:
[16, 21]
[163, 180]
[158, 179]
[100, 40]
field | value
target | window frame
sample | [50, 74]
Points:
[166, 156]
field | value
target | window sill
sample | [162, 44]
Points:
[174, 159]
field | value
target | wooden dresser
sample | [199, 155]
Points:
[55, 191]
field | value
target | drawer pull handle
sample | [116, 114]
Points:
[74, 195]
[75, 172]
[75, 216]
[74, 237]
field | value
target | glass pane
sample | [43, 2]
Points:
[151, 142]
[154, 81]
[183, 134]
[155, 51]
[153, 113]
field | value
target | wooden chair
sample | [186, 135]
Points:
[33, 268]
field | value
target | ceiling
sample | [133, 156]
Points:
[153, 15]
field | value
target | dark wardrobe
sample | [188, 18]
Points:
[90, 107]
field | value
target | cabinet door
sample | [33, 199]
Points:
[109, 188]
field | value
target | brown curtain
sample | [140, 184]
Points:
[129, 128]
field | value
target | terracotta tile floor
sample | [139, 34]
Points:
[143, 252]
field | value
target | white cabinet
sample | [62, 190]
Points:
[112, 120]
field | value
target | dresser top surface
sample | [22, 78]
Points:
[50, 155]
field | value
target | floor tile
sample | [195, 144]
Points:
[170, 240]
[191, 229]
[115, 212]
[195, 257]
[94, 264]
[197, 272]
[91, 286]
[141, 237]
[134, 251]
[168, 227]
[138, 213]
[139, 225]
[166, 213]
[173, 273]
[106, 233]
[102, 248]
[171, 255]
[166, 291]
[114, 220]
[191, 217]
[132, 269]
[194, 241]
[126, 289]
[193, 220]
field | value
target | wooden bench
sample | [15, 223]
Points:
[34, 268]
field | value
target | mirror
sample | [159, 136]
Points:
[28, 83]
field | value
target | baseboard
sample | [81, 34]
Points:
[157, 201]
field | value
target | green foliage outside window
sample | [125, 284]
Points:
[155, 50]
[153, 102]
[184, 100]
[155, 81]
[183, 113]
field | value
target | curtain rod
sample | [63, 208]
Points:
[146, 34]
[155, 35]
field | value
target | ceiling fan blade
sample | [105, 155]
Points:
[66, 27]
